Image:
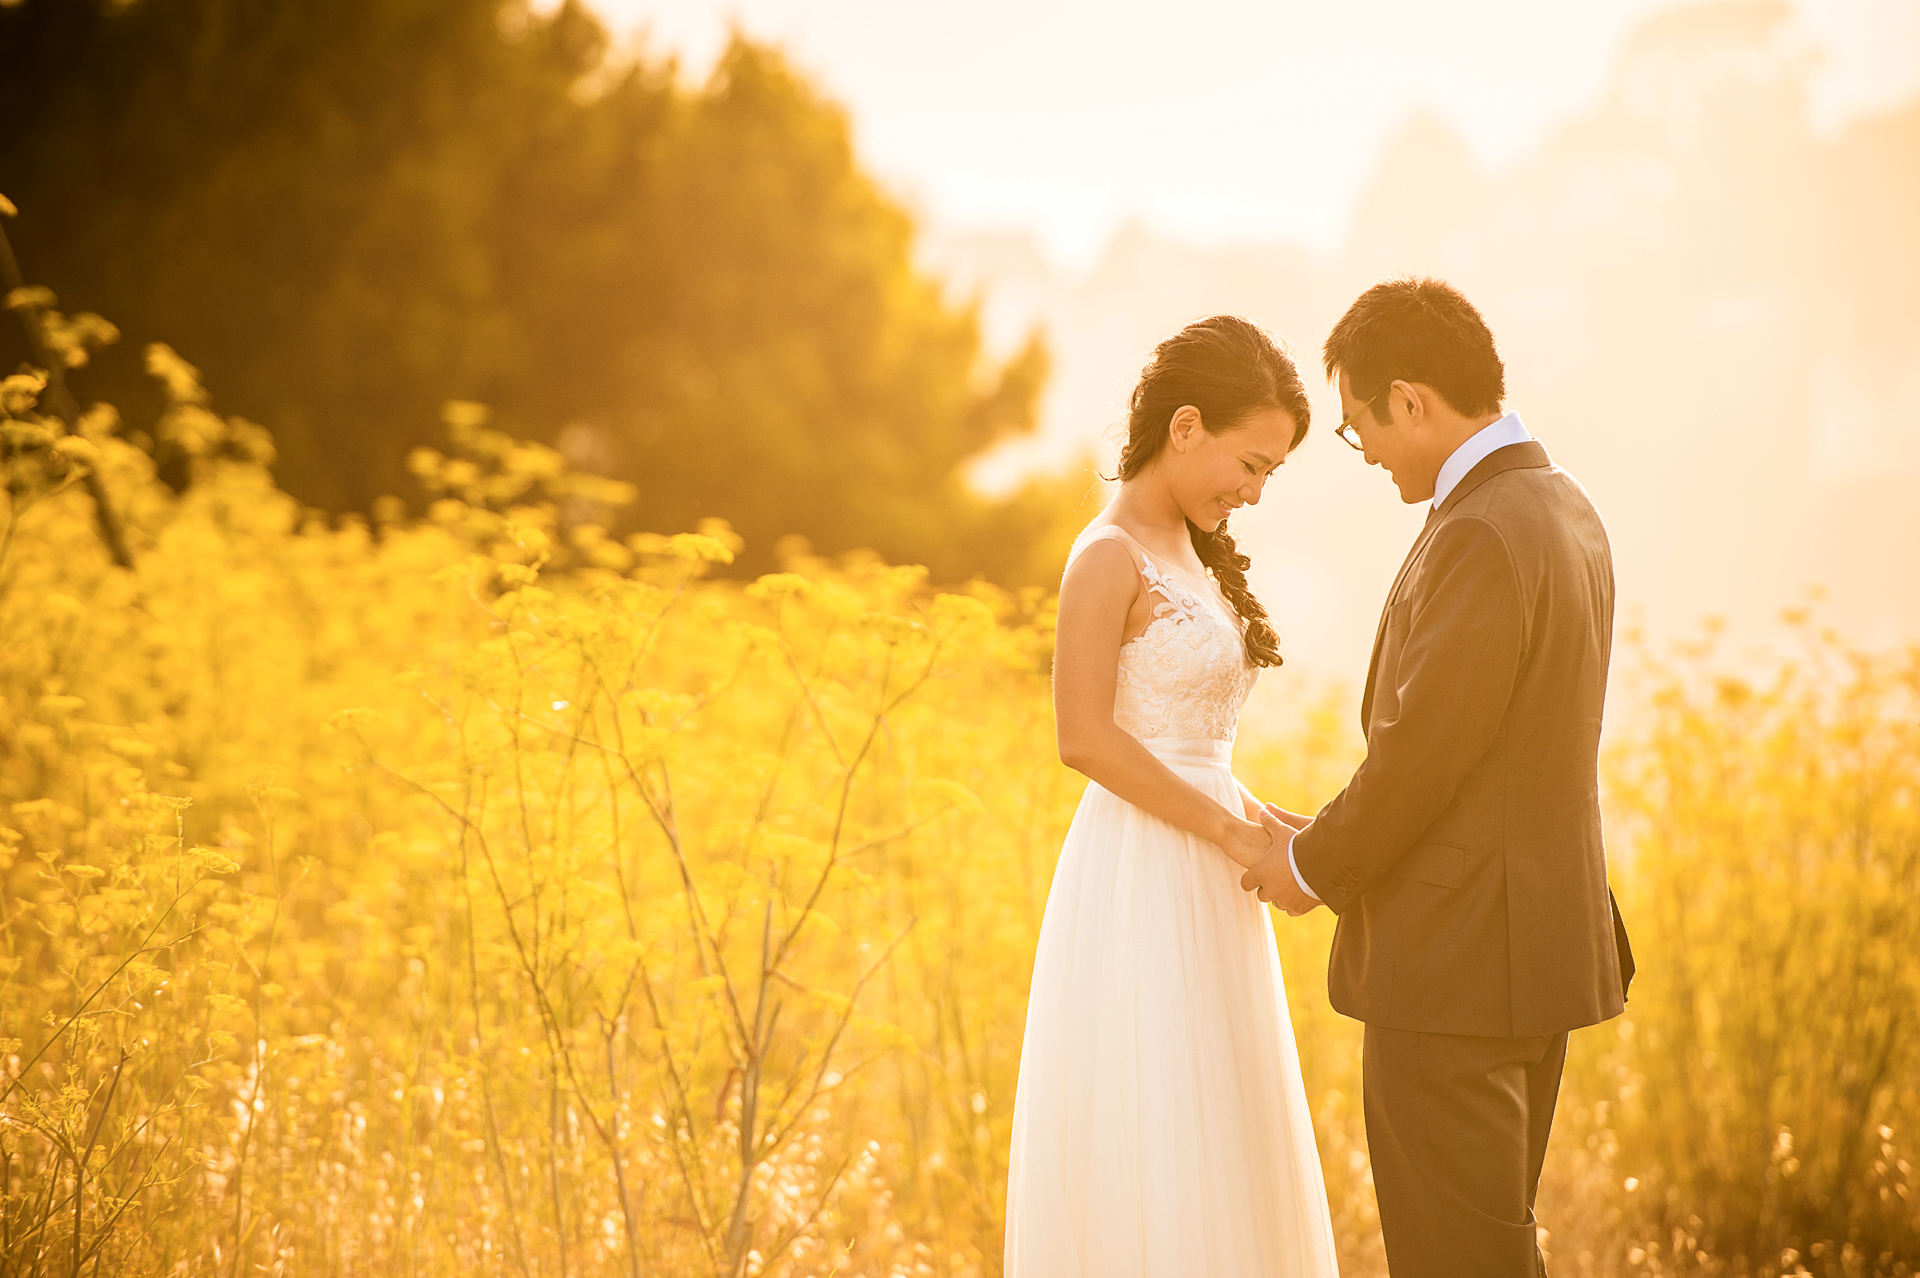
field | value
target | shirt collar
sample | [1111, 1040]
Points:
[1494, 435]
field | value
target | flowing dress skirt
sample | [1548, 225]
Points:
[1160, 1129]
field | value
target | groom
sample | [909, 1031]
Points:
[1464, 857]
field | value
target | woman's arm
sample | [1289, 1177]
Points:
[1098, 591]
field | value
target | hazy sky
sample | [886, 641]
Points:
[1224, 126]
[1209, 119]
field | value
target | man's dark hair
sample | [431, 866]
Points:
[1418, 330]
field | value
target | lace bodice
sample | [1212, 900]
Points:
[1187, 674]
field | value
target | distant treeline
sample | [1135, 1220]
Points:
[347, 212]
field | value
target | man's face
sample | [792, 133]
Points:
[1391, 437]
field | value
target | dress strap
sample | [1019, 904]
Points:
[1107, 532]
[1112, 532]
[1173, 597]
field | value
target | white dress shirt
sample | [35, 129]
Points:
[1496, 434]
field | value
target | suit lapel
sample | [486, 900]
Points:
[1380, 631]
[1528, 454]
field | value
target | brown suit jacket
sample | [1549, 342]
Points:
[1464, 858]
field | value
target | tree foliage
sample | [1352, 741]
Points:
[347, 213]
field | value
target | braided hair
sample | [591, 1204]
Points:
[1227, 368]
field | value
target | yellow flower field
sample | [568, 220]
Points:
[477, 894]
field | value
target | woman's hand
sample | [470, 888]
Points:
[1292, 820]
[1246, 843]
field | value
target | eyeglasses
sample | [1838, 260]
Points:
[1345, 429]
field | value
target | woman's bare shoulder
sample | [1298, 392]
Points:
[1102, 580]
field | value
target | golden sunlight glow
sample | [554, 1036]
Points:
[529, 596]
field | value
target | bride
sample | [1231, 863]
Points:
[1160, 1128]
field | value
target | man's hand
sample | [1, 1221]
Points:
[1272, 877]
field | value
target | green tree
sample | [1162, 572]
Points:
[346, 213]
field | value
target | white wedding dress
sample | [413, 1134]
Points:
[1160, 1129]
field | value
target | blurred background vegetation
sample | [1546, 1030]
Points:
[348, 213]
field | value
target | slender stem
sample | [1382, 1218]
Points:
[64, 406]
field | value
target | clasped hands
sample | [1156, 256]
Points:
[1269, 869]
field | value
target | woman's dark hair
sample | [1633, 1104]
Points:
[1228, 369]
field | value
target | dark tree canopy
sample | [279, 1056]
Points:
[347, 212]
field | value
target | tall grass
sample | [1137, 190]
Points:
[1770, 823]
[476, 893]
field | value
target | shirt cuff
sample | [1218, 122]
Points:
[1295, 867]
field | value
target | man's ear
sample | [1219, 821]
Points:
[1408, 397]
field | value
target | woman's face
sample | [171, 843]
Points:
[1212, 475]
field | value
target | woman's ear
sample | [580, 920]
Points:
[1184, 428]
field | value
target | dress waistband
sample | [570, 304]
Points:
[1189, 749]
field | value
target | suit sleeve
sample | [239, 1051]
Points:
[1456, 670]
